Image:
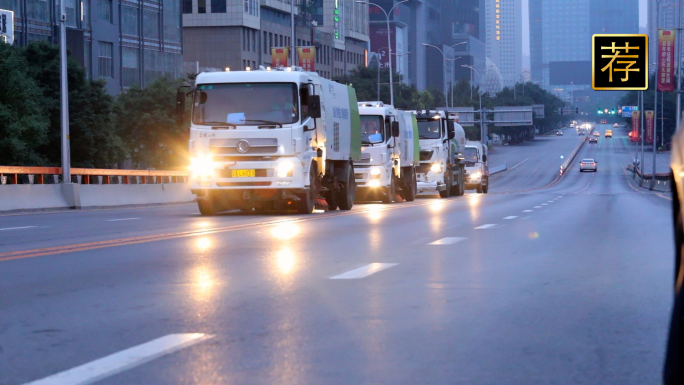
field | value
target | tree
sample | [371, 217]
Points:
[23, 122]
[145, 120]
[92, 138]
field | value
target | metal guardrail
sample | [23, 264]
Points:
[572, 156]
[661, 182]
[52, 175]
[498, 169]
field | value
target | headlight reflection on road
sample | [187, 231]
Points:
[203, 244]
[203, 283]
[285, 261]
[374, 212]
[285, 230]
[436, 206]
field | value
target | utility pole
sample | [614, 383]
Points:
[64, 94]
[293, 42]
[655, 92]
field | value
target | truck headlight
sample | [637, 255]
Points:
[285, 169]
[436, 168]
[375, 173]
[202, 166]
[476, 175]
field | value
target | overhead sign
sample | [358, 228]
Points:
[513, 116]
[6, 26]
[538, 110]
[627, 111]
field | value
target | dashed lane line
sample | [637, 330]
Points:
[487, 226]
[511, 217]
[123, 360]
[527, 211]
[447, 241]
[364, 271]
[121, 219]
[18, 228]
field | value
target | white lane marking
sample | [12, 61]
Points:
[537, 207]
[17, 228]
[121, 219]
[544, 204]
[487, 226]
[511, 217]
[123, 360]
[550, 201]
[447, 241]
[364, 271]
[527, 211]
[519, 164]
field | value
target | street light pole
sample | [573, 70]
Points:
[444, 58]
[64, 94]
[479, 91]
[293, 33]
[655, 102]
[389, 41]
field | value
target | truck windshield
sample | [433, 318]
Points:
[246, 104]
[470, 155]
[372, 127]
[429, 129]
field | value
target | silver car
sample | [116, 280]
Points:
[588, 164]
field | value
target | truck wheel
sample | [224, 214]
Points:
[307, 200]
[461, 185]
[410, 187]
[485, 188]
[448, 182]
[345, 197]
[332, 201]
[207, 207]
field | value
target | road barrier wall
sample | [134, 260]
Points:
[39, 188]
[661, 182]
[498, 169]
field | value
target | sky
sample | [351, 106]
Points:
[643, 15]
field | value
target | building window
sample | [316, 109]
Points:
[201, 6]
[187, 6]
[130, 61]
[151, 24]
[105, 60]
[129, 21]
[104, 8]
[70, 6]
[218, 6]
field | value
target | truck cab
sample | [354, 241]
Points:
[272, 140]
[441, 169]
[476, 167]
[389, 140]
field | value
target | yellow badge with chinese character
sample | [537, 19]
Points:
[619, 62]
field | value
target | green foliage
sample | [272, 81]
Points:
[23, 123]
[93, 141]
[145, 120]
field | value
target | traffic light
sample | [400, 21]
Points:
[600, 111]
[561, 111]
[577, 110]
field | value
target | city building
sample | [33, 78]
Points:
[236, 34]
[468, 31]
[503, 38]
[560, 40]
[125, 43]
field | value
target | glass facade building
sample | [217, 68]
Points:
[126, 43]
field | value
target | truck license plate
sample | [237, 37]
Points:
[242, 173]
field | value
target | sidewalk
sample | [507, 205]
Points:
[662, 162]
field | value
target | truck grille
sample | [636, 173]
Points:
[256, 146]
[426, 155]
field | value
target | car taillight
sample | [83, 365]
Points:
[593, 164]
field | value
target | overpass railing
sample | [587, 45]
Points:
[52, 175]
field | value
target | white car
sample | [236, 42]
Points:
[588, 164]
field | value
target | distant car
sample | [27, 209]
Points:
[588, 164]
[596, 134]
[559, 133]
[608, 134]
[580, 132]
[615, 125]
[603, 121]
[593, 139]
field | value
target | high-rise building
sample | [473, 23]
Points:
[561, 35]
[503, 38]
[124, 43]
[240, 33]
[468, 31]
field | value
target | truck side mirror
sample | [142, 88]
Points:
[484, 157]
[180, 106]
[314, 105]
[451, 131]
[395, 129]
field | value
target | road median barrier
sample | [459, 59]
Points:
[661, 182]
[564, 167]
[498, 169]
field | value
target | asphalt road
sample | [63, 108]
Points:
[542, 281]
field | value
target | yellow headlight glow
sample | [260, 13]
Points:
[285, 169]
[436, 168]
[202, 166]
